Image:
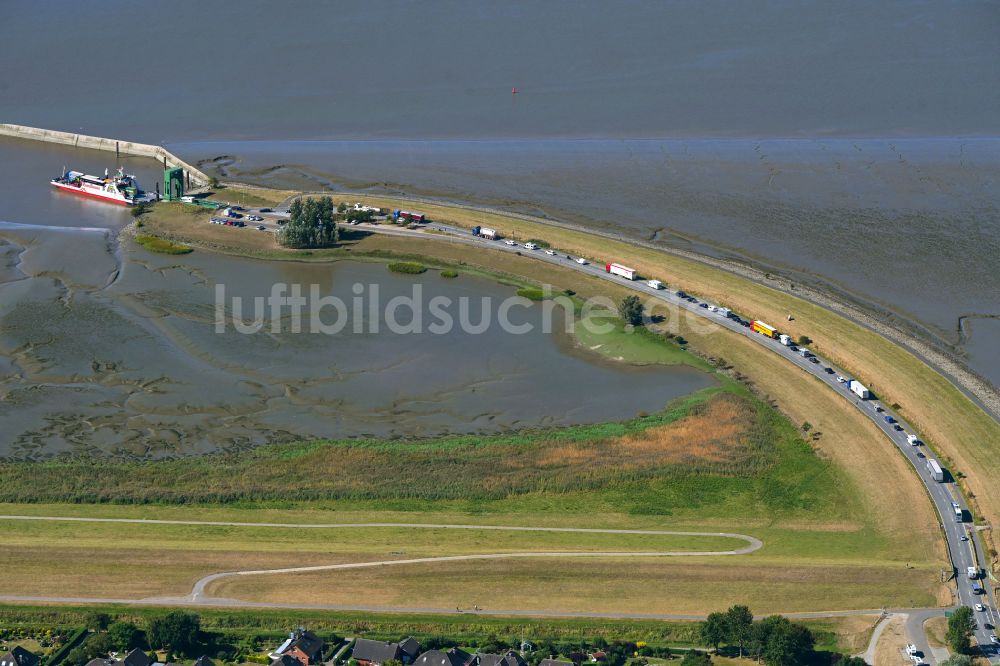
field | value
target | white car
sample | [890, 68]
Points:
[511, 243]
[993, 637]
[841, 379]
[581, 261]
[530, 246]
[963, 538]
[980, 608]
[551, 253]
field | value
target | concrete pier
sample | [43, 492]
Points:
[117, 146]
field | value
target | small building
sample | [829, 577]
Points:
[18, 656]
[135, 657]
[410, 647]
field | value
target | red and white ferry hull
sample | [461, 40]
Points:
[103, 196]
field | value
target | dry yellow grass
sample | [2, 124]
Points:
[892, 642]
[637, 585]
[936, 628]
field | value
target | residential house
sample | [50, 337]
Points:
[376, 653]
[453, 657]
[410, 647]
[18, 656]
[134, 658]
[510, 658]
[303, 646]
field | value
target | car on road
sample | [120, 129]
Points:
[963, 537]
[261, 227]
[841, 379]
[920, 454]
[265, 210]
[993, 637]
[551, 253]
[813, 359]
[897, 427]
[511, 243]
[980, 608]
[703, 305]
[889, 419]
[828, 371]
[581, 261]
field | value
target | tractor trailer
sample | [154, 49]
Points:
[622, 271]
[763, 329]
[935, 470]
[859, 389]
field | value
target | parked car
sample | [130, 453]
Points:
[261, 227]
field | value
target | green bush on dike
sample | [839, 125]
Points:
[449, 274]
[162, 245]
[409, 267]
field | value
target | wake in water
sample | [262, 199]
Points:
[18, 226]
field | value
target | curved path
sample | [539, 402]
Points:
[198, 591]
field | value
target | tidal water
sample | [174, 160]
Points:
[853, 143]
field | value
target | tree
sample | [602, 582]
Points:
[176, 630]
[805, 340]
[696, 658]
[957, 660]
[630, 309]
[961, 626]
[852, 661]
[787, 644]
[311, 224]
[715, 630]
[97, 621]
[739, 620]
[124, 635]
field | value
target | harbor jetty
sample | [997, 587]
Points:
[117, 146]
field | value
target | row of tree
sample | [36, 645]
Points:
[311, 224]
[774, 640]
[177, 632]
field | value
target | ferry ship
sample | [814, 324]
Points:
[122, 189]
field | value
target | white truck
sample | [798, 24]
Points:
[913, 440]
[655, 284]
[487, 233]
[934, 469]
[859, 389]
[785, 340]
[723, 312]
[973, 573]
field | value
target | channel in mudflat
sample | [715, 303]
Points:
[109, 349]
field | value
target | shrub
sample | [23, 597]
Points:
[409, 267]
[804, 340]
[531, 293]
[449, 274]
